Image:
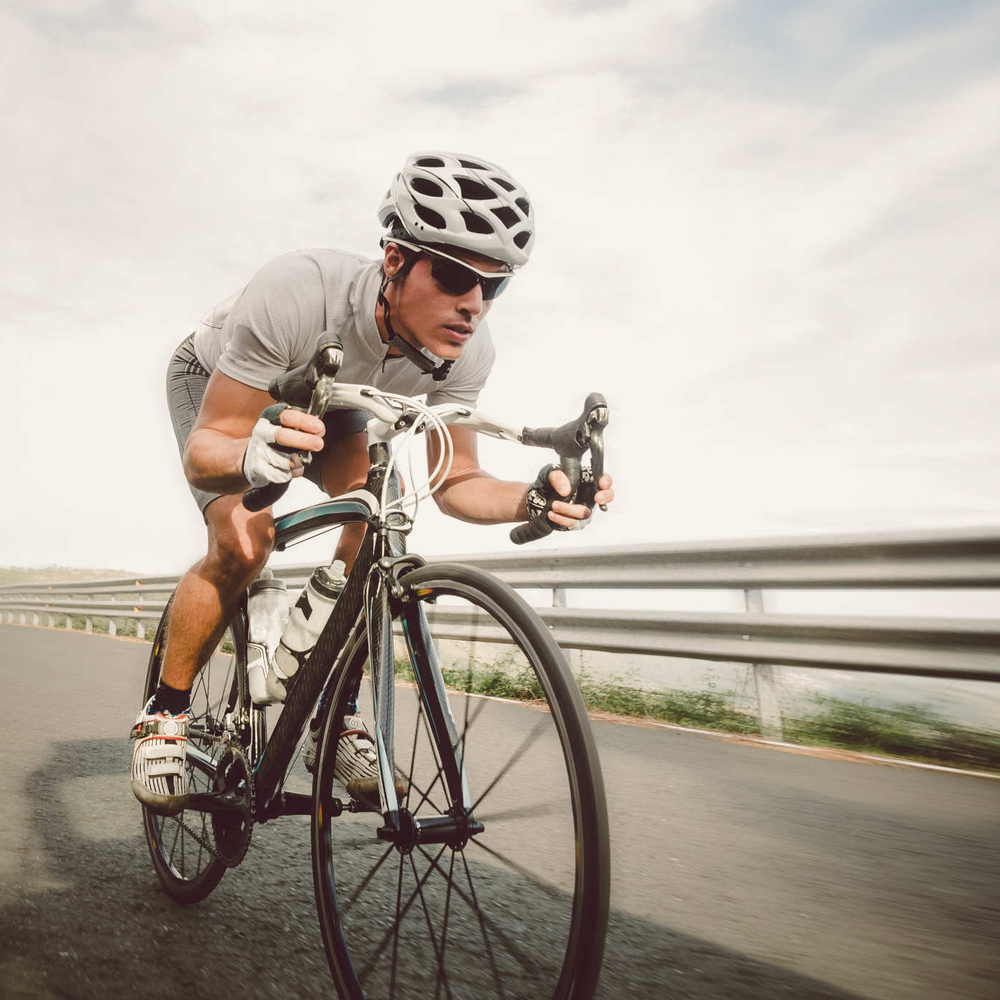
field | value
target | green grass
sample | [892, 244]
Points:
[911, 732]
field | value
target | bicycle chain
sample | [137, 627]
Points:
[230, 861]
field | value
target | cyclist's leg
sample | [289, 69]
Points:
[239, 543]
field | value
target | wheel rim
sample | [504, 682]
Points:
[501, 915]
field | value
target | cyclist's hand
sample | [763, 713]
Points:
[279, 436]
[546, 492]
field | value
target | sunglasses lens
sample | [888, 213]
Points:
[492, 287]
[452, 277]
[457, 280]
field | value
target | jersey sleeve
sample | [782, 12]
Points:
[469, 376]
[280, 312]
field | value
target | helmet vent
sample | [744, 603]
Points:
[431, 217]
[474, 190]
[521, 238]
[476, 223]
[506, 185]
[523, 205]
[507, 216]
[472, 165]
[430, 161]
[427, 187]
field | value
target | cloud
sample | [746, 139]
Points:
[764, 233]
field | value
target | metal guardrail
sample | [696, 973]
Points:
[955, 648]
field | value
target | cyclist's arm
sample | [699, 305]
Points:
[213, 455]
[472, 494]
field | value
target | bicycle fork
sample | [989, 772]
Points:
[401, 827]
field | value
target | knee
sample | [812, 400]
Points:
[237, 556]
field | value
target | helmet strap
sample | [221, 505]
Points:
[424, 363]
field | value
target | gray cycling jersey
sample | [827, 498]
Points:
[273, 324]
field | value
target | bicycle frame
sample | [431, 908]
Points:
[363, 612]
[339, 635]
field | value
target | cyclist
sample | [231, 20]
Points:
[456, 229]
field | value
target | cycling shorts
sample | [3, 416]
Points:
[186, 383]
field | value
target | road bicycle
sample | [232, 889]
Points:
[489, 875]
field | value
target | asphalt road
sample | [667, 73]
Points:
[738, 871]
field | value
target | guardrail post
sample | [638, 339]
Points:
[574, 656]
[140, 632]
[88, 626]
[52, 621]
[768, 706]
[112, 628]
[69, 622]
[24, 620]
[34, 617]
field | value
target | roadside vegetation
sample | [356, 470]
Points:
[913, 732]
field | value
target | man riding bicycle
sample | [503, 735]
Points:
[457, 228]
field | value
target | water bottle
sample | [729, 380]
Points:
[305, 623]
[267, 610]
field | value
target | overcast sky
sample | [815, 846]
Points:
[766, 230]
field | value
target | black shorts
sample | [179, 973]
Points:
[186, 382]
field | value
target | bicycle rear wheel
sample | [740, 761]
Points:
[185, 849]
[518, 910]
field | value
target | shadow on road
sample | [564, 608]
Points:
[109, 930]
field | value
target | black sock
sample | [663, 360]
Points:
[170, 700]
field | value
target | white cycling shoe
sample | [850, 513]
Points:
[356, 763]
[159, 775]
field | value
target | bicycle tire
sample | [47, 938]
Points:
[533, 926]
[187, 870]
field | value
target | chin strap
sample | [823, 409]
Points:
[424, 363]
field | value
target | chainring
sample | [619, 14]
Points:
[234, 828]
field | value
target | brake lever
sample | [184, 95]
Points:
[313, 381]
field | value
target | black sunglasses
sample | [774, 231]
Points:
[457, 278]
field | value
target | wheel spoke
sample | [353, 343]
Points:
[472, 902]
[439, 954]
[401, 914]
[444, 929]
[470, 719]
[173, 846]
[413, 753]
[482, 927]
[515, 757]
[395, 937]
[520, 812]
[551, 891]
[366, 880]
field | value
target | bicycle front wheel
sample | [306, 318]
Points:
[518, 909]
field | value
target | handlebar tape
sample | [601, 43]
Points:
[531, 531]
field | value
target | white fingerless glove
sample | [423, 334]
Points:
[264, 461]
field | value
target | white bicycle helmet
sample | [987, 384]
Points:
[462, 201]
